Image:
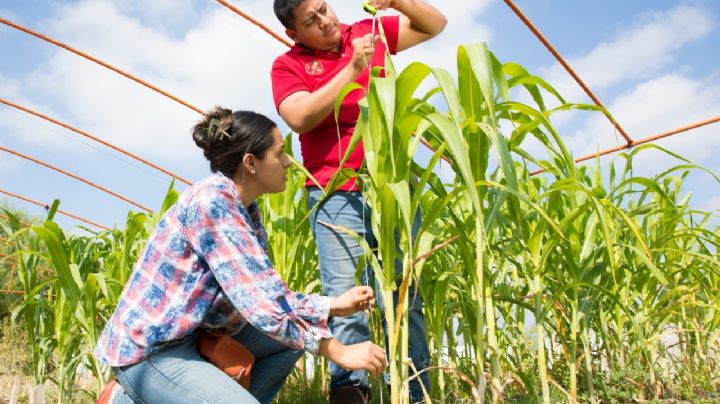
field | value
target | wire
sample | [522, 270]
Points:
[6, 217]
[2, 191]
[46, 126]
[255, 22]
[567, 67]
[642, 141]
[98, 61]
[92, 184]
[89, 136]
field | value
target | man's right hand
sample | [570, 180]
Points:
[363, 49]
[363, 356]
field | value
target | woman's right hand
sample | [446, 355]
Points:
[358, 298]
[363, 356]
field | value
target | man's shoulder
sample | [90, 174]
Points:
[283, 57]
[286, 59]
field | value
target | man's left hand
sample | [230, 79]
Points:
[383, 4]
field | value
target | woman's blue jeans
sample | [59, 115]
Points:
[177, 374]
[338, 254]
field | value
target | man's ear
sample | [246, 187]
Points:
[291, 33]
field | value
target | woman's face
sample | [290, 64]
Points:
[271, 170]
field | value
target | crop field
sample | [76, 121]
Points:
[580, 283]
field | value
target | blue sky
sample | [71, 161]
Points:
[654, 63]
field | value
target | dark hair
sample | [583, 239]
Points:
[284, 11]
[226, 137]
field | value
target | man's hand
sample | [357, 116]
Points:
[383, 4]
[359, 298]
[362, 356]
[363, 49]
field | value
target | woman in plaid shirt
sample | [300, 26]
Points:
[205, 267]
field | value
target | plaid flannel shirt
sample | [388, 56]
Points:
[205, 266]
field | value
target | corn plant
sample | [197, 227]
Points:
[582, 284]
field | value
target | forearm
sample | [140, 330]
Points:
[304, 112]
[424, 17]
[330, 348]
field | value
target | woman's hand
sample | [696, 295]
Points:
[363, 356]
[359, 298]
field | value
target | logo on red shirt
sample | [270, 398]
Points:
[314, 68]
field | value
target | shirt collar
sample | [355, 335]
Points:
[228, 182]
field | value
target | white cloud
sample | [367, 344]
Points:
[209, 65]
[712, 204]
[656, 106]
[8, 87]
[648, 104]
[8, 163]
[635, 54]
[220, 59]
[7, 14]
[463, 27]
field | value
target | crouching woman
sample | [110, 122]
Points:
[205, 268]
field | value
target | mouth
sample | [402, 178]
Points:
[330, 30]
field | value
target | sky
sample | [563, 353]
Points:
[655, 64]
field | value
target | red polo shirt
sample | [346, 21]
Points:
[305, 69]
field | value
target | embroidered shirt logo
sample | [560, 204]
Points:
[314, 68]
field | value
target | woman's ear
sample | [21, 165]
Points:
[248, 163]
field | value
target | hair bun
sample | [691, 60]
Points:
[210, 131]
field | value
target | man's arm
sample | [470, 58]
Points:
[419, 21]
[303, 110]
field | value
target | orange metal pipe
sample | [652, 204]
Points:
[567, 67]
[92, 184]
[89, 136]
[59, 210]
[255, 22]
[642, 141]
[4, 216]
[652, 138]
[100, 62]
[18, 292]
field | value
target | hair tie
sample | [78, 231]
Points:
[211, 127]
[215, 126]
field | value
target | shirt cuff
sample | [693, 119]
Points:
[313, 336]
[319, 310]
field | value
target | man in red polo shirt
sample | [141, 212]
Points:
[326, 57]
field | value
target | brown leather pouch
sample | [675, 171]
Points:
[228, 355]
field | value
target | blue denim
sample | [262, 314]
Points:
[177, 374]
[338, 254]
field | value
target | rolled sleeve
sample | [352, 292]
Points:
[220, 231]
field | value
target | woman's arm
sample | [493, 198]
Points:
[362, 356]
[224, 238]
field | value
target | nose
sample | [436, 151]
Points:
[286, 161]
[323, 22]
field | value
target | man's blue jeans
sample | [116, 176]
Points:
[338, 254]
[177, 374]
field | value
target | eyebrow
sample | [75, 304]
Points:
[313, 16]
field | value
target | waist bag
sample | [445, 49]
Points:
[228, 355]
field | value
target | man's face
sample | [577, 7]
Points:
[315, 26]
